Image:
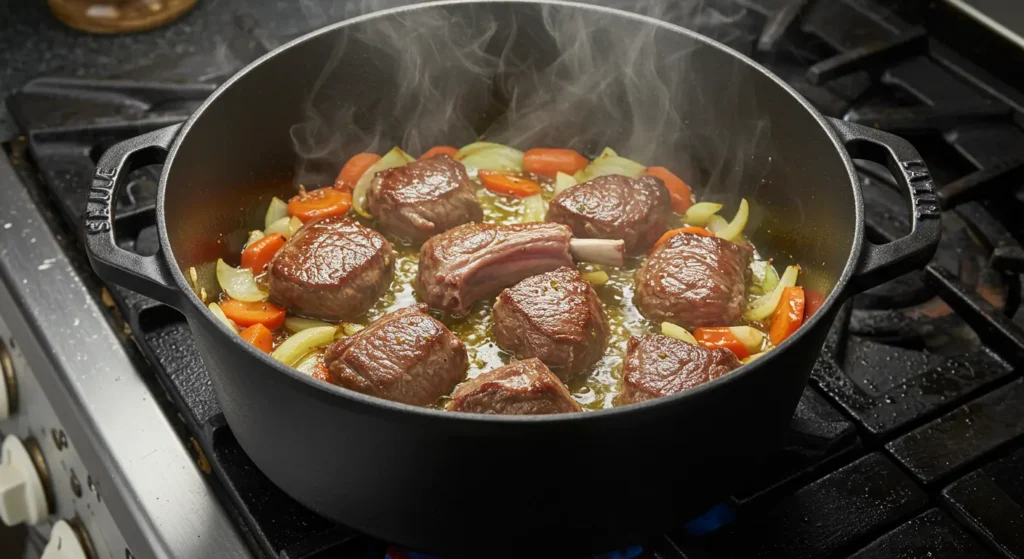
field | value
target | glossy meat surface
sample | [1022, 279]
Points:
[331, 269]
[423, 198]
[555, 317]
[615, 207]
[405, 356]
[519, 388]
[657, 366]
[477, 260]
[692, 280]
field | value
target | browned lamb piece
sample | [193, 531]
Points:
[693, 281]
[519, 388]
[331, 269]
[615, 207]
[405, 356]
[657, 366]
[555, 317]
[423, 198]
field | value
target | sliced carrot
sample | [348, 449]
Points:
[501, 183]
[682, 197]
[439, 150]
[246, 314]
[321, 373]
[549, 162]
[320, 203]
[789, 315]
[257, 255]
[712, 338]
[354, 169]
[259, 336]
[689, 229]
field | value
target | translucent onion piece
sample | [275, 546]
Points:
[394, 158]
[751, 338]
[223, 318]
[301, 343]
[700, 213]
[297, 324]
[278, 209]
[254, 236]
[563, 182]
[733, 231]
[764, 277]
[280, 226]
[596, 278]
[716, 224]
[294, 224]
[610, 163]
[534, 208]
[239, 283]
[350, 329]
[677, 332]
[763, 307]
[307, 365]
[490, 156]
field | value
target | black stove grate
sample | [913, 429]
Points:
[909, 440]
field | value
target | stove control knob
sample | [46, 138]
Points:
[64, 543]
[22, 495]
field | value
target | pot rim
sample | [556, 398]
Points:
[373, 404]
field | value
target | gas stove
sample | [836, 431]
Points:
[908, 441]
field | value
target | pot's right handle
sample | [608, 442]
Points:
[881, 263]
[148, 275]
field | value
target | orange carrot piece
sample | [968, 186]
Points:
[500, 183]
[320, 203]
[548, 162]
[439, 150]
[354, 168]
[259, 336]
[712, 338]
[788, 316]
[689, 229]
[321, 373]
[246, 314]
[257, 255]
[682, 197]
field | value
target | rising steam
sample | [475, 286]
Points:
[587, 80]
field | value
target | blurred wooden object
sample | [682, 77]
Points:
[118, 16]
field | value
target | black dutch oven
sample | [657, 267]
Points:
[469, 485]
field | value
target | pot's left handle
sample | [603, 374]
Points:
[881, 263]
[148, 275]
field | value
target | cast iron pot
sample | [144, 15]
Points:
[469, 485]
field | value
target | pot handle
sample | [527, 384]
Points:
[881, 263]
[148, 275]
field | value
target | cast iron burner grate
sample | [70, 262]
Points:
[908, 441]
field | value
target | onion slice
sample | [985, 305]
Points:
[764, 276]
[733, 231]
[490, 156]
[297, 324]
[563, 182]
[239, 283]
[394, 158]
[677, 332]
[598, 278]
[307, 365]
[763, 307]
[610, 163]
[699, 213]
[278, 209]
[253, 237]
[218, 313]
[751, 338]
[301, 343]
[534, 209]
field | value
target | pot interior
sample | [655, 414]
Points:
[525, 74]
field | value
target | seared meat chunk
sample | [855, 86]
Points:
[331, 269]
[658, 366]
[615, 207]
[692, 280]
[519, 388]
[423, 198]
[477, 260]
[405, 356]
[555, 317]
